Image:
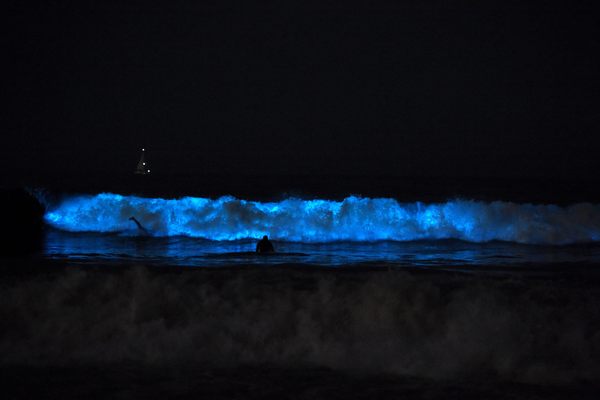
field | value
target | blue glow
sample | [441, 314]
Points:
[310, 221]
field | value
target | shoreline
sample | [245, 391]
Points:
[261, 382]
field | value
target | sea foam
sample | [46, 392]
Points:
[421, 325]
[318, 220]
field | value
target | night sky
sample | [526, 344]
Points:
[423, 88]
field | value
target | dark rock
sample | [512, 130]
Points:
[24, 224]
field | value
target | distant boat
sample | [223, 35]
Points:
[142, 166]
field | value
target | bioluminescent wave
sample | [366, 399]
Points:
[352, 219]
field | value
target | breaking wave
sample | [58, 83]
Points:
[352, 219]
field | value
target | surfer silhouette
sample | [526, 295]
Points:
[140, 227]
[265, 245]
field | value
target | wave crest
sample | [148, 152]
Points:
[352, 219]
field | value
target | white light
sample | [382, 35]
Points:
[144, 163]
[143, 149]
[148, 171]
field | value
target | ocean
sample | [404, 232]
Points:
[379, 288]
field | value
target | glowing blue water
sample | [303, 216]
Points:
[322, 221]
[98, 248]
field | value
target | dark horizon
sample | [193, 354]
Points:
[258, 187]
[495, 90]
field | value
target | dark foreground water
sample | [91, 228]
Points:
[105, 330]
[364, 298]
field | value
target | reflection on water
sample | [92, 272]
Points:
[185, 251]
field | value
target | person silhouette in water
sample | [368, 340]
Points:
[141, 229]
[264, 246]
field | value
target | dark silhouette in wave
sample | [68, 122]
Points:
[265, 246]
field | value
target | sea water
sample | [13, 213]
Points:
[196, 231]
[485, 297]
